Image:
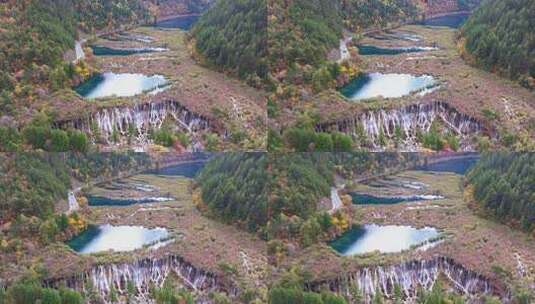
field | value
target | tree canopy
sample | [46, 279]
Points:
[232, 34]
[503, 184]
[498, 37]
[234, 188]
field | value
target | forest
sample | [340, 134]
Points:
[502, 183]
[234, 188]
[232, 35]
[31, 292]
[98, 15]
[31, 184]
[39, 134]
[302, 32]
[34, 38]
[498, 37]
[362, 14]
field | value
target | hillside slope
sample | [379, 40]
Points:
[499, 38]
[232, 35]
[502, 184]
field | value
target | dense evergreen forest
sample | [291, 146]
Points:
[302, 32]
[499, 38]
[39, 134]
[234, 188]
[31, 184]
[503, 183]
[233, 34]
[31, 292]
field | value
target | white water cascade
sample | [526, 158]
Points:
[344, 50]
[335, 200]
[142, 117]
[79, 50]
[409, 119]
[73, 203]
[142, 274]
[409, 276]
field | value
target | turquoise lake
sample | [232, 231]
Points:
[120, 85]
[117, 238]
[374, 85]
[385, 239]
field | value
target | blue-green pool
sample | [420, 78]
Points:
[385, 239]
[117, 238]
[372, 85]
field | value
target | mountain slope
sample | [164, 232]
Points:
[499, 37]
[502, 183]
[232, 35]
[233, 187]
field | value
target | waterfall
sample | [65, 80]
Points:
[79, 50]
[142, 274]
[73, 203]
[335, 200]
[409, 276]
[344, 51]
[410, 120]
[140, 118]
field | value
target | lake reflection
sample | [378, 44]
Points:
[116, 238]
[376, 50]
[367, 199]
[385, 239]
[458, 166]
[453, 21]
[183, 22]
[121, 85]
[189, 170]
[373, 85]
